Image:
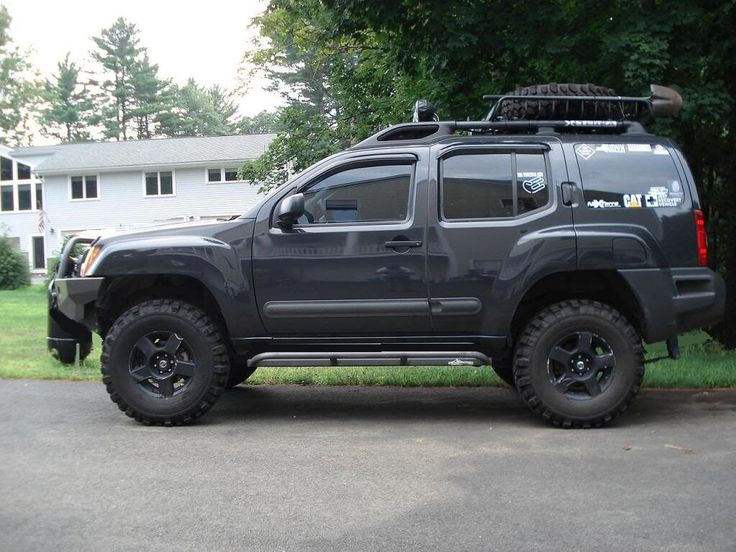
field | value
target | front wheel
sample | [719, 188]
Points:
[579, 363]
[164, 362]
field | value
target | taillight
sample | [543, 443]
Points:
[701, 237]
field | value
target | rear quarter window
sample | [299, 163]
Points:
[630, 176]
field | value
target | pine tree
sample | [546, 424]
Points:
[69, 109]
[199, 111]
[118, 53]
[151, 96]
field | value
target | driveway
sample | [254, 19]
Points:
[356, 469]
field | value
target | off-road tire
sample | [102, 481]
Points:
[204, 337]
[504, 368]
[555, 109]
[66, 352]
[238, 374]
[532, 354]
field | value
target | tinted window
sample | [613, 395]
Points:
[6, 168]
[365, 194]
[90, 186]
[77, 187]
[532, 191]
[24, 172]
[484, 185]
[629, 176]
[24, 197]
[6, 198]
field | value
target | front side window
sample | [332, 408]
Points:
[159, 183]
[493, 185]
[84, 187]
[375, 193]
[25, 202]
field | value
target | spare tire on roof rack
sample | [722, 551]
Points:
[539, 109]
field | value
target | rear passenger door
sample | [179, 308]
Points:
[496, 223]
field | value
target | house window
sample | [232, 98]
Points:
[6, 168]
[223, 175]
[39, 195]
[84, 187]
[24, 197]
[214, 175]
[6, 198]
[24, 172]
[38, 253]
[159, 183]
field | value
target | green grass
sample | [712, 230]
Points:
[704, 364]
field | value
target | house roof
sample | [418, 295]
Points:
[136, 154]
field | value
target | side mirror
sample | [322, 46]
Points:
[289, 211]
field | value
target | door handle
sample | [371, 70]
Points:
[403, 244]
[568, 193]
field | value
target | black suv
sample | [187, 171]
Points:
[548, 248]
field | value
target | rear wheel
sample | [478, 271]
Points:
[579, 364]
[164, 362]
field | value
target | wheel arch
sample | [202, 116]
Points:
[606, 286]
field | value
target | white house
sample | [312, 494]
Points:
[49, 192]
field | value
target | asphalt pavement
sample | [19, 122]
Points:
[287, 468]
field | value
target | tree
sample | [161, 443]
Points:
[69, 109]
[261, 123]
[118, 53]
[151, 96]
[18, 90]
[199, 111]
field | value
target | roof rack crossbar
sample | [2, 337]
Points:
[662, 101]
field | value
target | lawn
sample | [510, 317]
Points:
[23, 348]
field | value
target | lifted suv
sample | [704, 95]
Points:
[548, 248]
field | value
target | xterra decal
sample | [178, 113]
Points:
[602, 204]
[660, 150]
[532, 182]
[643, 148]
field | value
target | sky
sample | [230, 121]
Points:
[205, 40]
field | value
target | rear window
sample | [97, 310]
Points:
[629, 176]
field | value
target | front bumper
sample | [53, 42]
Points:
[677, 300]
[75, 299]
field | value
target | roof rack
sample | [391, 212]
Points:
[424, 132]
[662, 102]
[426, 128]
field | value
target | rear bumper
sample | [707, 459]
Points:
[676, 300]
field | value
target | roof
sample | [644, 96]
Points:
[136, 154]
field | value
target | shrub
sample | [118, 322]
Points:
[14, 271]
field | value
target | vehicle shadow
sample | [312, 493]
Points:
[370, 403]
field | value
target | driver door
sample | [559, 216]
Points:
[354, 264]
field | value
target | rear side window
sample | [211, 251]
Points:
[629, 176]
[493, 185]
